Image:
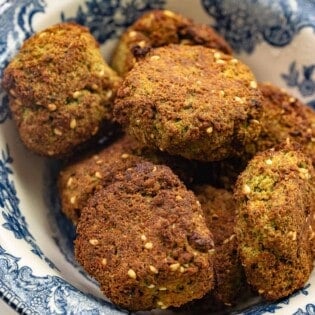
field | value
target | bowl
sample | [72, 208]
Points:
[38, 273]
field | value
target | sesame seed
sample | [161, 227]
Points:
[154, 169]
[222, 93]
[253, 84]
[98, 162]
[268, 162]
[198, 82]
[101, 73]
[73, 123]
[312, 139]
[76, 94]
[109, 93]
[211, 251]
[178, 198]
[168, 13]
[198, 203]
[94, 86]
[215, 216]
[148, 245]
[261, 291]
[125, 156]
[217, 55]
[238, 99]
[246, 189]
[292, 235]
[132, 34]
[153, 269]
[312, 235]
[152, 136]
[235, 61]
[93, 241]
[161, 305]
[138, 122]
[292, 99]
[220, 62]
[98, 175]
[57, 132]
[95, 157]
[131, 273]
[209, 130]
[162, 289]
[73, 199]
[104, 261]
[143, 238]
[151, 286]
[52, 107]
[94, 131]
[255, 121]
[174, 267]
[69, 181]
[142, 44]
[13, 93]
[155, 57]
[181, 269]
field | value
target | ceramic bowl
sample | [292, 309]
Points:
[38, 274]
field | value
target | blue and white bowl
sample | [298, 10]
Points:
[38, 274]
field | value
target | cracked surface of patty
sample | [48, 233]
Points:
[159, 28]
[275, 204]
[191, 101]
[144, 239]
[60, 89]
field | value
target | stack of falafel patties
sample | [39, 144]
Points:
[209, 190]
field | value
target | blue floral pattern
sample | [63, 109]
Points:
[16, 26]
[303, 80]
[107, 19]
[47, 294]
[309, 310]
[247, 23]
[14, 221]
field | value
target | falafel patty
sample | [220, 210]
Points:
[144, 239]
[159, 28]
[79, 178]
[60, 89]
[191, 101]
[219, 209]
[285, 116]
[275, 202]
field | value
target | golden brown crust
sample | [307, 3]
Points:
[81, 177]
[60, 88]
[275, 201]
[159, 28]
[219, 209]
[192, 101]
[285, 116]
[145, 241]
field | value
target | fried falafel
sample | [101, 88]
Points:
[60, 89]
[190, 101]
[285, 116]
[275, 202]
[159, 28]
[144, 239]
[219, 209]
[79, 178]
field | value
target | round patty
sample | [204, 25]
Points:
[144, 239]
[275, 202]
[79, 178]
[191, 101]
[159, 28]
[219, 209]
[60, 89]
